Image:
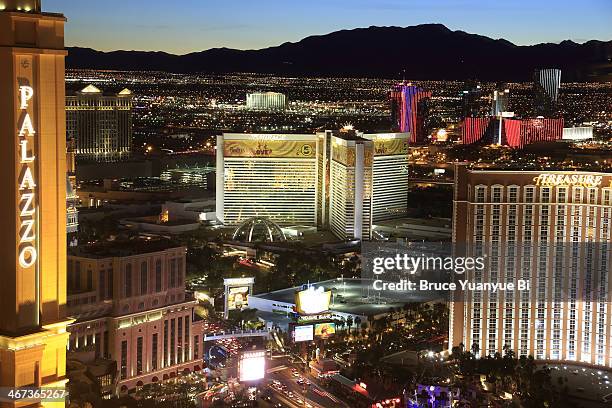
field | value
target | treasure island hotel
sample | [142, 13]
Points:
[341, 180]
[33, 321]
[553, 229]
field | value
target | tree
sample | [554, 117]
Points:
[349, 323]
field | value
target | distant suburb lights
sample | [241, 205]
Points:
[27, 185]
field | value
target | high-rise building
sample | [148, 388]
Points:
[507, 131]
[389, 175]
[315, 180]
[131, 306]
[471, 104]
[72, 199]
[546, 83]
[267, 175]
[33, 335]
[266, 101]
[409, 110]
[350, 186]
[500, 103]
[553, 229]
[99, 124]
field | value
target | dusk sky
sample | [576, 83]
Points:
[193, 25]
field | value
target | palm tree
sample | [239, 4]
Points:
[349, 323]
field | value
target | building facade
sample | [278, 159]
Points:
[267, 175]
[546, 83]
[337, 180]
[409, 111]
[33, 323]
[100, 125]
[130, 303]
[552, 229]
[350, 187]
[266, 101]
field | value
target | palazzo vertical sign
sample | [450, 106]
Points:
[26, 181]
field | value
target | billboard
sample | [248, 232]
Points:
[312, 301]
[237, 292]
[324, 330]
[238, 298]
[294, 149]
[303, 333]
[252, 366]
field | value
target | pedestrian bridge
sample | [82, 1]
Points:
[236, 333]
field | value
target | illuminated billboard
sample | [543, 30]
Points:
[237, 292]
[270, 148]
[252, 366]
[312, 301]
[303, 333]
[238, 298]
[324, 330]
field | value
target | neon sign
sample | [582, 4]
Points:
[566, 180]
[27, 185]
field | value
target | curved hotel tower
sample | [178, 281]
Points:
[33, 321]
[551, 228]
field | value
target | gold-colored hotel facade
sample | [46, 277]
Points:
[553, 229]
[33, 321]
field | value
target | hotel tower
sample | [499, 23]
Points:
[551, 228]
[33, 321]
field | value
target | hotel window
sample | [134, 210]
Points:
[105, 336]
[110, 283]
[102, 285]
[124, 346]
[127, 281]
[496, 194]
[480, 194]
[173, 273]
[144, 277]
[562, 194]
[513, 194]
[165, 361]
[89, 280]
[180, 340]
[154, 352]
[606, 196]
[592, 196]
[186, 338]
[172, 341]
[529, 194]
[577, 195]
[97, 343]
[545, 191]
[158, 275]
[196, 347]
[139, 356]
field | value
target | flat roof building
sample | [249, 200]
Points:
[130, 306]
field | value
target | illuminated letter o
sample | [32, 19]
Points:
[24, 261]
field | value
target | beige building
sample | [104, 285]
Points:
[33, 321]
[551, 228]
[130, 303]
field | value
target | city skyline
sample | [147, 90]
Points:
[195, 26]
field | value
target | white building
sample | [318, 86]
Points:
[266, 101]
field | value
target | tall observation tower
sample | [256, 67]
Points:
[33, 319]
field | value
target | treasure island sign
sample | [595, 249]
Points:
[569, 180]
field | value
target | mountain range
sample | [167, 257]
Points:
[428, 51]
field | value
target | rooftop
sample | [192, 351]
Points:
[356, 296]
[122, 247]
